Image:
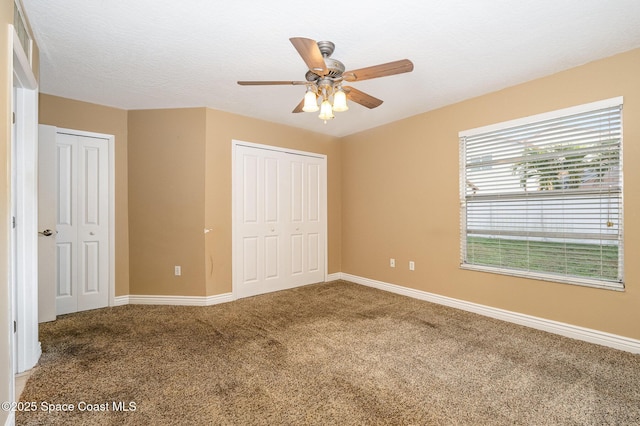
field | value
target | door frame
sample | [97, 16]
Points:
[112, 202]
[235, 191]
[25, 350]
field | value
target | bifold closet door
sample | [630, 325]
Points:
[279, 220]
[82, 223]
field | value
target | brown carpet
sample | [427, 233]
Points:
[326, 354]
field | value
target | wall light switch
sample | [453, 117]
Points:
[392, 263]
[178, 271]
[412, 265]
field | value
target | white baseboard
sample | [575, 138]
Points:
[136, 299]
[333, 277]
[563, 329]
[120, 300]
[219, 298]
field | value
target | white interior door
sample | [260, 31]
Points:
[82, 249]
[279, 220]
[47, 213]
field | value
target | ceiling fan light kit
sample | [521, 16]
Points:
[325, 76]
[326, 92]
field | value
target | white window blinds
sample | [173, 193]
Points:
[542, 197]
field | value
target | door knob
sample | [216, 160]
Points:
[46, 232]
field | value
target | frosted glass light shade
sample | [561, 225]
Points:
[310, 102]
[340, 101]
[325, 111]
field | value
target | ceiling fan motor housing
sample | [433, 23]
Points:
[326, 48]
[335, 68]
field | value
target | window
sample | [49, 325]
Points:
[541, 197]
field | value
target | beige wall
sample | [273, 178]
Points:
[222, 128]
[76, 115]
[400, 199]
[166, 201]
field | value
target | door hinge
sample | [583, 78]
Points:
[13, 118]
[13, 222]
[15, 326]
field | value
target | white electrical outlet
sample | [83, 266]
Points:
[178, 271]
[392, 263]
[412, 265]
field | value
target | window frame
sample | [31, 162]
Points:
[546, 276]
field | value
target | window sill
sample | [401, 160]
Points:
[584, 282]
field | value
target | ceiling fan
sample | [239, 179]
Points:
[326, 75]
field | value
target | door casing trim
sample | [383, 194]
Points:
[24, 95]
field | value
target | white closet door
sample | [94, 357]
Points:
[66, 240]
[259, 213]
[83, 227]
[304, 221]
[279, 220]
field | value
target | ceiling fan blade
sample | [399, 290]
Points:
[298, 107]
[311, 54]
[361, 98]
[271, 83]
[382, 70]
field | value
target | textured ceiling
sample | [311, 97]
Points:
[147, 54]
